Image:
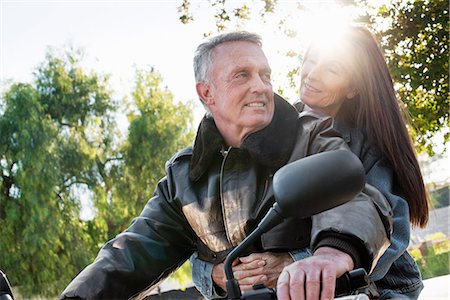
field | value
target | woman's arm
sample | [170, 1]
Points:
[380, 175]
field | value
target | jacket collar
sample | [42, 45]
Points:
[338, 123]
[271, 146]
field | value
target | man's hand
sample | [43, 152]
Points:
[261, 268]
[314, 277]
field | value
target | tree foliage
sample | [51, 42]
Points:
[60, 146]
[45, 152]
[416, 44]
[158, 128]
[414, 35]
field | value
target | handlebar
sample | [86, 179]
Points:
[346, 284]
[5, 289]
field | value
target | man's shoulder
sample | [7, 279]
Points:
[183, 154]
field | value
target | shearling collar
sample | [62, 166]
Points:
[271, 146]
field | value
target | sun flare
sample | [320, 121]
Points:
[324, 24]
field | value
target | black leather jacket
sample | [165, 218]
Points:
[213, 195]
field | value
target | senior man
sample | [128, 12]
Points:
[216, 192]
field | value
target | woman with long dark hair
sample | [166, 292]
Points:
[348, 78]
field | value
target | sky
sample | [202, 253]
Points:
[119, 36]
[116, 36]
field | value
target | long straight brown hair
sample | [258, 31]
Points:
[377, 111]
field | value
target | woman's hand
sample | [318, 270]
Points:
[255, 268]
[260, 268]
[314, 277]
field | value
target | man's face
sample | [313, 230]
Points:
[240, 95]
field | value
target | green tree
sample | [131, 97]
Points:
[158, 128]
[59, 143]
[46, 150]
[416, 43]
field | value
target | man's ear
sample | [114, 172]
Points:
[204, 93]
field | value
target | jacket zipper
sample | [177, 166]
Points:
[225, 155]
[266, 188]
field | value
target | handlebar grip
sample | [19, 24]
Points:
[346, 284]
[5, 288]
[351, 281]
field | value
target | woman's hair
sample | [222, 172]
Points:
[378, 113]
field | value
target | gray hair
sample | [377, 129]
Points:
[202, 58]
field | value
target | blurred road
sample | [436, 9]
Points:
[436, 288]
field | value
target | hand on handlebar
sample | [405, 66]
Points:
[218, 275]
[256, 268]
[261, 268]
[314, 277]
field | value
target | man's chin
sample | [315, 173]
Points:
[258, 124]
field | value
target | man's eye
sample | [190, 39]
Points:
[242, 75]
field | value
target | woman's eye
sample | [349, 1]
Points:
[333, 69]
[310, 60]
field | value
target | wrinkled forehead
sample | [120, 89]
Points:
[236, 50]
[231, 57]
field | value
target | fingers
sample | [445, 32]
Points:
[247, 283]
[284, 287]
[328, 284]
[235, 262]
[313, 284]
[241, 274]
[310, 279]
[253, 264]
[252, 257]
[291, 284]
[261, 268]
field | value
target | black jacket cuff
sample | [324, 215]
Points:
[345, 243]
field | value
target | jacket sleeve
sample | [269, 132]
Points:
[357, 224]
[360, 227]
[202, 278]
[156, 243]
[380, 175]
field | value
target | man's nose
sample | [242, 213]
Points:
[259, 84]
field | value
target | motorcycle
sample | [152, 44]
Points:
[334, 178]
[5, 288]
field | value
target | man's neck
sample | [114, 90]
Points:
[232, 135]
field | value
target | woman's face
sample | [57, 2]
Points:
[326, 80]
